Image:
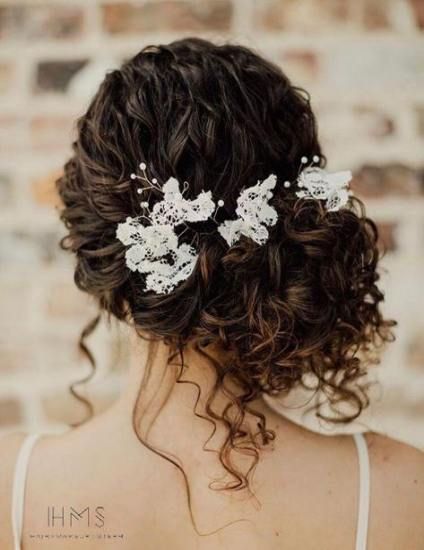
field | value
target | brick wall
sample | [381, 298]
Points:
[363, 63]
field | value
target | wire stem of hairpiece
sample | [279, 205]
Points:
[143, 217]
[153, 184]
[149, 187]
[186, 185]
[184, 230]
[220, 204]
[305, 162]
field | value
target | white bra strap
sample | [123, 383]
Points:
[364, 491]
[18, 490]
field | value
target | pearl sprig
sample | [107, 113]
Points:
[153, 184]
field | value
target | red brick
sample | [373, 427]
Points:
[44, 189]
[375, 122]
[387, 236]
[353, 124]
[415, 410]
[40, 22]
[390, 179]
[12, 357]
[10, 412]
[10, 134]
[314, 15]
[418, 11]
[7, 73]
[415, 351]
[419, 111]
[55, 76]
[376, 14]
[50, 133]
[167, 15]
[301, 66]
[64, 301]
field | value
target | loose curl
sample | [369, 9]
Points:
[303, 306]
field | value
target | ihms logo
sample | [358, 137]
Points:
[68, 516]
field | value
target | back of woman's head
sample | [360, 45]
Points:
[220, 118]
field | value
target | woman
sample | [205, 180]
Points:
[201, 216]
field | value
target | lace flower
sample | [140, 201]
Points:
[174, 209]
[154, 249]
[316, 183]
[254, 214]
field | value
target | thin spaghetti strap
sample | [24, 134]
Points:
[18, 490]
[364, 491]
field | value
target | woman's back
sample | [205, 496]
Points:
[306, 493]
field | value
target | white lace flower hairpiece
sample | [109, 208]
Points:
[151, 237]
[316, 183]
[154, 249]
[254, 214]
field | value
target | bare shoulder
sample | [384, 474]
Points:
[9, 448]
[397, 489]
[398, 457]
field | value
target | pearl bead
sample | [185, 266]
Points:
[154, 180]
[144, 204]
[139, 191]
[316, 158]
[133, 176]
[287, 184]
[220, 202]
[304, 160]
[143, 165]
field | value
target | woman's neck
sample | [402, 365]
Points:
[177, 402]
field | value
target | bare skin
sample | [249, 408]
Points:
[305, 486]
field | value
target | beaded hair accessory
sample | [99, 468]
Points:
[152, 240]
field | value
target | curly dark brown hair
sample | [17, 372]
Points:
[304, 304]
